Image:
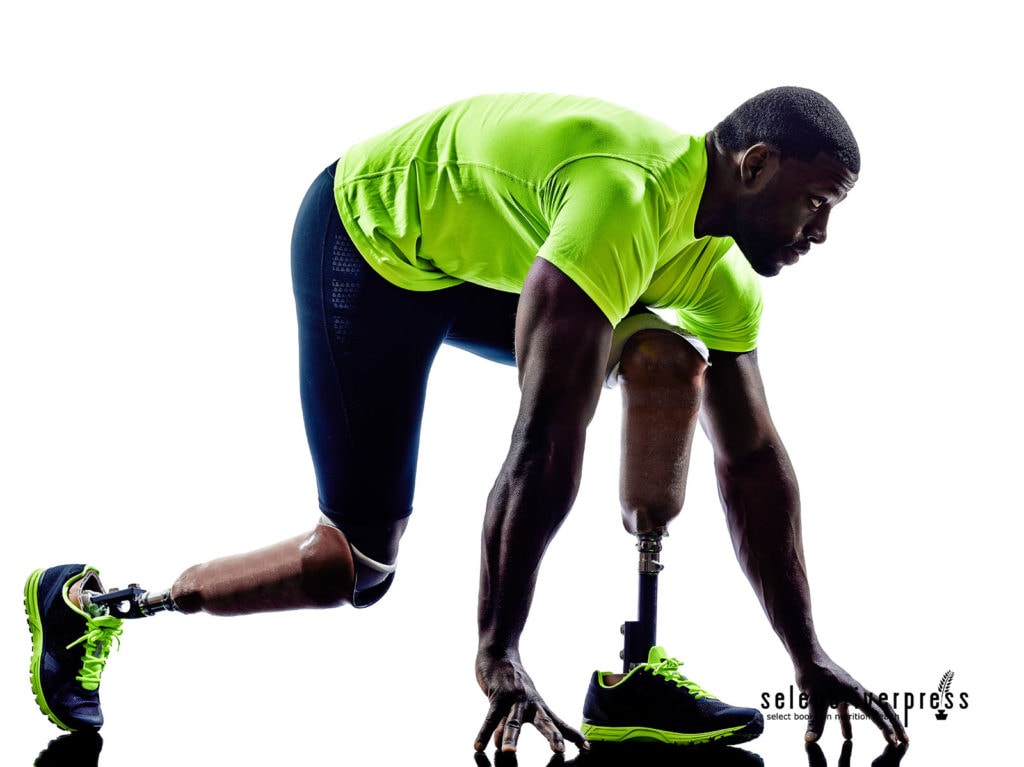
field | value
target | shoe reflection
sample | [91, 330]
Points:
[628, 754]
[637, 754]
[890, 757]
[75, 749]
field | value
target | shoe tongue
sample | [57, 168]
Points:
[656, 655]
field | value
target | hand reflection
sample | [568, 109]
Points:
[888, 758]
[508, 759]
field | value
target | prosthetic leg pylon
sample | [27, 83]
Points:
[641, 634]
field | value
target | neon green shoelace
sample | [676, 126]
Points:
[98, 637]
[669, 669]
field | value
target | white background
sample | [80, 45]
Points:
[151, 163]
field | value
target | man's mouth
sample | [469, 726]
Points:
[792, 254]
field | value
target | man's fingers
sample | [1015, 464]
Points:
[510, 710]
[881, 713]
[827, 684]
[490, 723]
[549, 729]
[895, 732]
[901, 731]
[816, 719]
[844, 720]
[878, 711]
[571, 734]
[505, 731]
[513, 726]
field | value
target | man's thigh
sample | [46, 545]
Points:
[365, 351]
[485, 323]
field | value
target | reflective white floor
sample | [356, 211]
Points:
[92, 749]
[87, 750]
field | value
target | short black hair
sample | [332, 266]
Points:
[798, 122]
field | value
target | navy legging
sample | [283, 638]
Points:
[365, 351]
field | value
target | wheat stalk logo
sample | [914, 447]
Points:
[944, 686]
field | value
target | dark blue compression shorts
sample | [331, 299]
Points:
[365, 351]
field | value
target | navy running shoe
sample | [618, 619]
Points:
[654, 702]
[70, 646]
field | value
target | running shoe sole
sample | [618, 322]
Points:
[36, 627]
[739, 734]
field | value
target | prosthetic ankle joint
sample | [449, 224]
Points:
[132, 602]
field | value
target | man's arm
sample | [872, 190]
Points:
[759, 492]
[562, 341]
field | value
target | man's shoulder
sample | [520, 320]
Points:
[572, 125]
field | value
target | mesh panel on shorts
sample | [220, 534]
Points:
[346, 264]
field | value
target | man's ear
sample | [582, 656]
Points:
[757, 164]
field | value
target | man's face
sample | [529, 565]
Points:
[787, 210]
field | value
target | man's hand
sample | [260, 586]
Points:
[826, 684]
[514, 702]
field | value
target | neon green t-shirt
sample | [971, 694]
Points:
[476, 190]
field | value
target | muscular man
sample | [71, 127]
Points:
[538, 231]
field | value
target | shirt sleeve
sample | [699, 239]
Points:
[727, 315]
[603, 233]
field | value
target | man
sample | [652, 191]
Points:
[535, 230]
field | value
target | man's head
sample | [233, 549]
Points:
[794, 158]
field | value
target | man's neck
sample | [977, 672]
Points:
[713, 212]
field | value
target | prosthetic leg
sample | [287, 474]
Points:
[662, 380]
[641, 634]
[315, 569]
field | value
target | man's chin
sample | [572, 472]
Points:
[767, 268]
[764, 262]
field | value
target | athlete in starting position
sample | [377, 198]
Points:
[538, 231]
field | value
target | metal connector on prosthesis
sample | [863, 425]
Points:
[649, 546]
[132, 602]
[641, 634]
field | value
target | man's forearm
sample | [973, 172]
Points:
[562, 342]
[762, 505]
[529, 501]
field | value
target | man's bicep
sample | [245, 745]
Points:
[735, 410]
[562, 341]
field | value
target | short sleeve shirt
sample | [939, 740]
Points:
[475, 191]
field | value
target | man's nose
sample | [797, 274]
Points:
[817, 229]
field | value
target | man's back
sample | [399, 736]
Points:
[473, 191]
